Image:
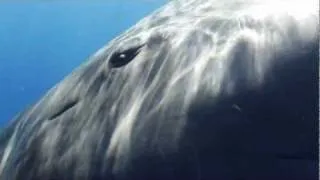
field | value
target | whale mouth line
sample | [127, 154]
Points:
[64, 108]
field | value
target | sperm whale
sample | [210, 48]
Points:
[197, 90]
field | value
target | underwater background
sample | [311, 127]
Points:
[42, 42]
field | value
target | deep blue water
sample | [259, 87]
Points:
[40, 43]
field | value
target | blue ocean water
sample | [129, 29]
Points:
[42, 42]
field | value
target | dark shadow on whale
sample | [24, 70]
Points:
[269, 133]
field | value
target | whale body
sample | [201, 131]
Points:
[198, 90]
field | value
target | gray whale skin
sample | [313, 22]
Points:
[198, 90]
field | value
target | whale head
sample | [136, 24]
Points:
[199, 89]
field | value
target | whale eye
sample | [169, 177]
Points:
[119, 59]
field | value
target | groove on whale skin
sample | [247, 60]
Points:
[95, 86]
[64, 108]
